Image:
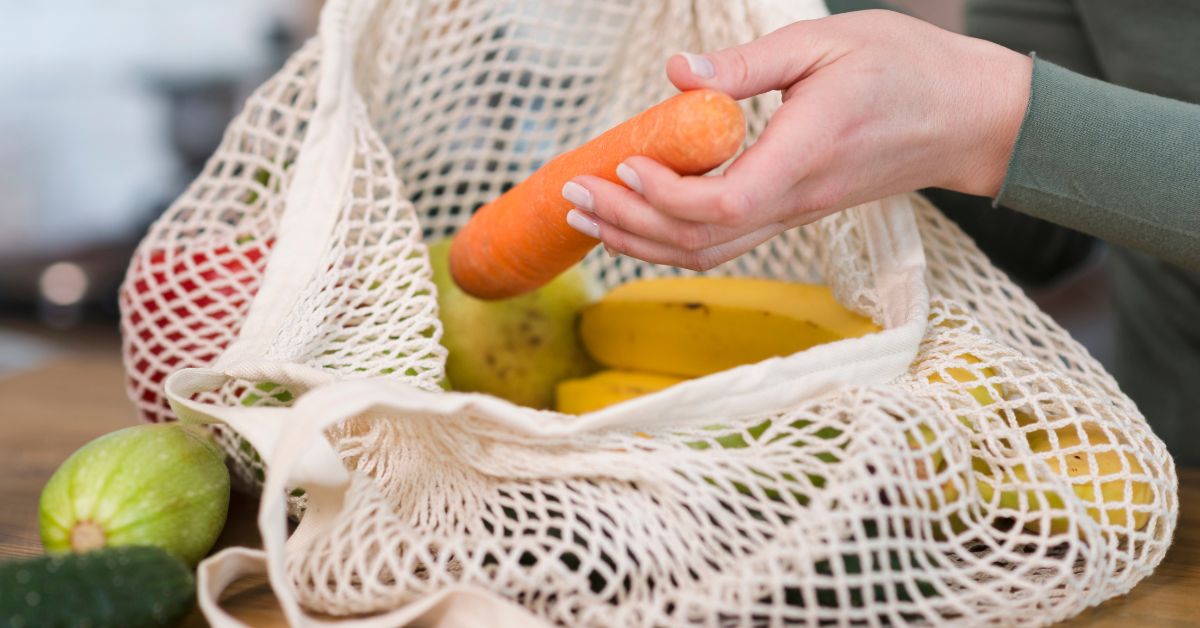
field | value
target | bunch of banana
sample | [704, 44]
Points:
[654, 333]
[1105, 507]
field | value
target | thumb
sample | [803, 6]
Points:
[773, 61]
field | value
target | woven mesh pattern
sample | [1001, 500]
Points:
[1005, 478]
[906, 503]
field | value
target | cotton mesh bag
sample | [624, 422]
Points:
[968, 464]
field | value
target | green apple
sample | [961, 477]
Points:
[518, 348]
[164, 485]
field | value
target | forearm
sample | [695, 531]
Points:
[1112, 162]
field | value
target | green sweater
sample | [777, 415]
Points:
[1110, 148]
[1119, 158]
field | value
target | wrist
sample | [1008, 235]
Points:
[999, 83]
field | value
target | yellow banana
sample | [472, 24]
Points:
[603, 389]
[1077, 468]
[919, 439]
[984, 394]
[1074, 466]
[692, 326]
[987, 480]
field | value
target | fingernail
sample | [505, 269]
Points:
[583, 223]
[700, 66]
[629, 178]
[577, 195]
[611, 253]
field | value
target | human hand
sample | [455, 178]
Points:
[874, 103]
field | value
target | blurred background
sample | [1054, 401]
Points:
[107, 110]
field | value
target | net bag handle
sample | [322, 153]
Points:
[298, 454]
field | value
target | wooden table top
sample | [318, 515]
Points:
[46, 414]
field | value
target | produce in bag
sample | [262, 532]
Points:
[517, 348]
[692, 326]
[608, 387]
[521, 240]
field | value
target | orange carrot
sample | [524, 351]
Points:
[521, 240]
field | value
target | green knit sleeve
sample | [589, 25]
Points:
[846, 6]
[1119, 164]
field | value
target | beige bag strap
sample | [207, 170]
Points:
[298, 454]
[455, 606]
[323, 171]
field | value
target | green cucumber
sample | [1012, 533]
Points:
[126, 587]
